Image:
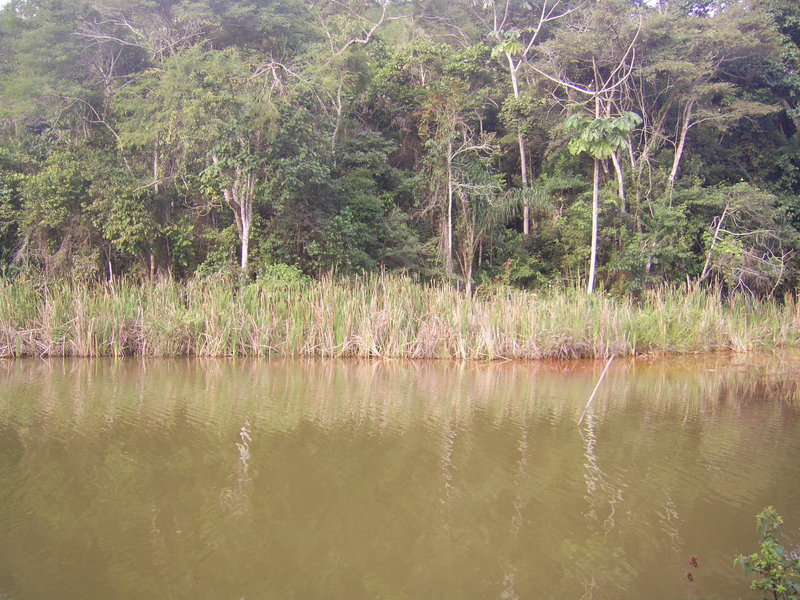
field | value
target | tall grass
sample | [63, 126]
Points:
[378, 316]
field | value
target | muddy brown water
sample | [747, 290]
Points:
[395, 480]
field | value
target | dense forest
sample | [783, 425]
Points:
[522, 142]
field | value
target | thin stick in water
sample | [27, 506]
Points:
[597, 387]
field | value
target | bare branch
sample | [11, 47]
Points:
[384, 18]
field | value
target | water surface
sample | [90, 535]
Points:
[394, 480]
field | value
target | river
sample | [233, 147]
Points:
[246, 479]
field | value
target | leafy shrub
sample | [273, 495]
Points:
[282, 276]
[777, 570]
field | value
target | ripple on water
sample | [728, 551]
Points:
[252, 479]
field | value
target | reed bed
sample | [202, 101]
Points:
[378, 316]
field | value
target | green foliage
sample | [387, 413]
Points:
[198, 99]
[52, 198]
[601, 137]
[510, 44]
[746, 241]
[776, 569]
[574, 235]
[9, 215]
[282, 276]
[181, 238]
[521, 114]
[221, 255]
[122, 214]
[59, 236]
[129, 128]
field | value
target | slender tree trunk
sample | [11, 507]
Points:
[595, 208]
[685, 125]
[339, 111]
[526, 209]
[468, 243]
[595, 219]
[239, 196]
[245, 182]
[620, 181]
[714, 240]
[523, 152]
[156, 189]
[245, 246]
[448, 249]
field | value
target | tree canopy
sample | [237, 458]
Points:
[513, 142]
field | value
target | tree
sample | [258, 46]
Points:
[592, 74]
[58, 236]
[517, 28]
[692, 72]
[602, 138]
[354, 135]
[212, 112]
[10, 182]
[748, 246]
[451, 126]
[483, 209]
[122, 212]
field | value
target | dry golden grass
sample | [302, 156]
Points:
[377, 316]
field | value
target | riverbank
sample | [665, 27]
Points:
[389, 317]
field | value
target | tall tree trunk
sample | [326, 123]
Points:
[714, 240]
[448, 248]
[245, 182]
[155, 169]
[467, 243]
[620, 181]
[523, 152]
[339, 111]
[156, 189]
[239, 196]
[526, 208]
[595, 219]
[676, 161]
[595, 208]
[245, 246]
